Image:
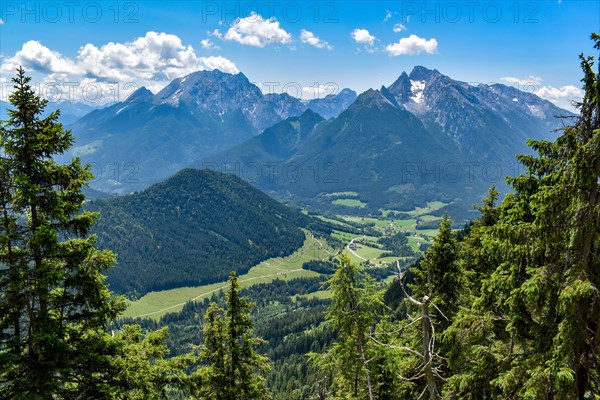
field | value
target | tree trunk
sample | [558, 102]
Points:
[427, 356]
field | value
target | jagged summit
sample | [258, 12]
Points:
[208, 112]
[421, 73]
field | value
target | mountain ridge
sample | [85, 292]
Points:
[424, 137]
[148, 137]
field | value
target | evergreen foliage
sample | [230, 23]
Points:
[54, 302]
[229, 349]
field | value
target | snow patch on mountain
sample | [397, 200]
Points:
[417, 88]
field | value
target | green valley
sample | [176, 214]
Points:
[156, 304]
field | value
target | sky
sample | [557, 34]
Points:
[101, 51]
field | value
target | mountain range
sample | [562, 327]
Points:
[70, 111]
[146, 138]
[425, 137]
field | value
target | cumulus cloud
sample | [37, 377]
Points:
[412, 45]
[562, 96]
[208, 44]
[152, 60]
[530, 80]
[220, 63]
[34, 55]
[256, 31]
[215, 33]
[567, 92]
[399, 28]
[310, 38]
[362, 36]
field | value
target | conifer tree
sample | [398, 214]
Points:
[536, 320]
[439, 276]
[432, 305]
[234, 370]
[353, 313]
[54, 303]
[213, 352]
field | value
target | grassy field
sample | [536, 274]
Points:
[414, 242]
[431, 206]
[333, 221]
[340, 194]
[156, 304]
[320, 294]
[369, 253]
[349, 203]
[406, 224]
[427, 218]
[347, 237]
[429, 232]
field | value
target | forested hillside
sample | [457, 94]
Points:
[192, 229]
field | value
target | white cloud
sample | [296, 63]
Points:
[215, 33]
[362, 36]
[208, 44]
[34, 55]
[412, 45]
[1, 21]
[561, 96]
[388, 16]
[220, 63]
[320, 91]
[399, 28]
[563, 92]
[152, 60]
[529, 81]
[256, 31]
[310, 38]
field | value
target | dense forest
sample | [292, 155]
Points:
[182, 231]
[506, 308]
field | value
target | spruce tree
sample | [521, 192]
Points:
[432, 303]
[353, 313]
[54, 303]
[234, 368]
[536, 320]
[216, 381]
[439, 276]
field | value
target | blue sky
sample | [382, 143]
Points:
[114, 46]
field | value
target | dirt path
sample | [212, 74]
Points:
[352, 251]
[357, 255]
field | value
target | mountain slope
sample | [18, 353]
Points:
[148, 137]
[487, 123]
[192, 229]
[332, 105]
[373, 148]
[70, 111]
[275, 145]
